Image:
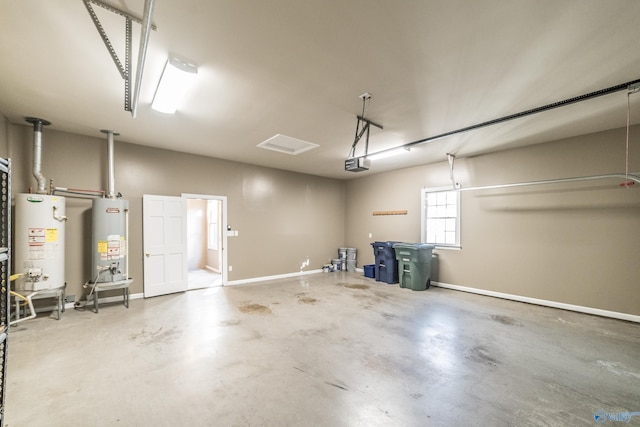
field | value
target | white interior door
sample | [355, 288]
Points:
[165, 244]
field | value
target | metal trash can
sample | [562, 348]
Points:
[386, 266]
[414, 265]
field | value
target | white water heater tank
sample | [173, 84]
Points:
[39, 241]
[108, 236]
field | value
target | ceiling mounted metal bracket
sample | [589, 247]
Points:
[452, 158]
[363, 126]
[633, 87]
[125, 70]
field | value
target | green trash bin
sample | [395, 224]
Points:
[414, 265]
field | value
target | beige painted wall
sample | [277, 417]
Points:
[196, 233]
[282, 217]
[574, 243]
[4, 133]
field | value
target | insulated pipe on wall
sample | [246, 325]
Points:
[37, 152]
[111, 191]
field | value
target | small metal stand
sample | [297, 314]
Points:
[58, 293]
[109, 286]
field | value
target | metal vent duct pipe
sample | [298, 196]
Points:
[37, 152]
[111, 191]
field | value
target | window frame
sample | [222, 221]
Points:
[212, 225]
[423, 218]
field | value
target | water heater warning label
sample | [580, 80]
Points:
[36, 237]
[43, 243]
[112, 249]
[51, 235]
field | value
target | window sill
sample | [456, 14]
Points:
[448, 248]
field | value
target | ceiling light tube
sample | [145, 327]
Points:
[176, 79]
[388, 153]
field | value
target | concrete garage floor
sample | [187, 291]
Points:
[330, 349]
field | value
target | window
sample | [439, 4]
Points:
[441, 217]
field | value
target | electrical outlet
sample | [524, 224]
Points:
[230, 268]
[370, 235]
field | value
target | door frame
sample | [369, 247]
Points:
[222, 231]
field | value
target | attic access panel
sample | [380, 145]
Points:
[286, 144]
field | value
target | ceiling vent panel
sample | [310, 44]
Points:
[286, 144]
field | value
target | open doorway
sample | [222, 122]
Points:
[206, 240]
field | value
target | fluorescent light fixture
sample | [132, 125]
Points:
[176, 79]
[390, 153]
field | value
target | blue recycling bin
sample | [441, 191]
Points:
[369, 271]
[414, 265]
[386, 266]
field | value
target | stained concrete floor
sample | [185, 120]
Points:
[331, 349]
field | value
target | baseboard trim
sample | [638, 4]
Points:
[266, 278]
[519, 298]
[214, 270]
[546, 303]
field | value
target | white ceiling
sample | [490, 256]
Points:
[297, 68]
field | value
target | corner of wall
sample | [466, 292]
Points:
[4, 135]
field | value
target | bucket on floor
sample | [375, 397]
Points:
[352, 253]
[337, 264]
[370, 271]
